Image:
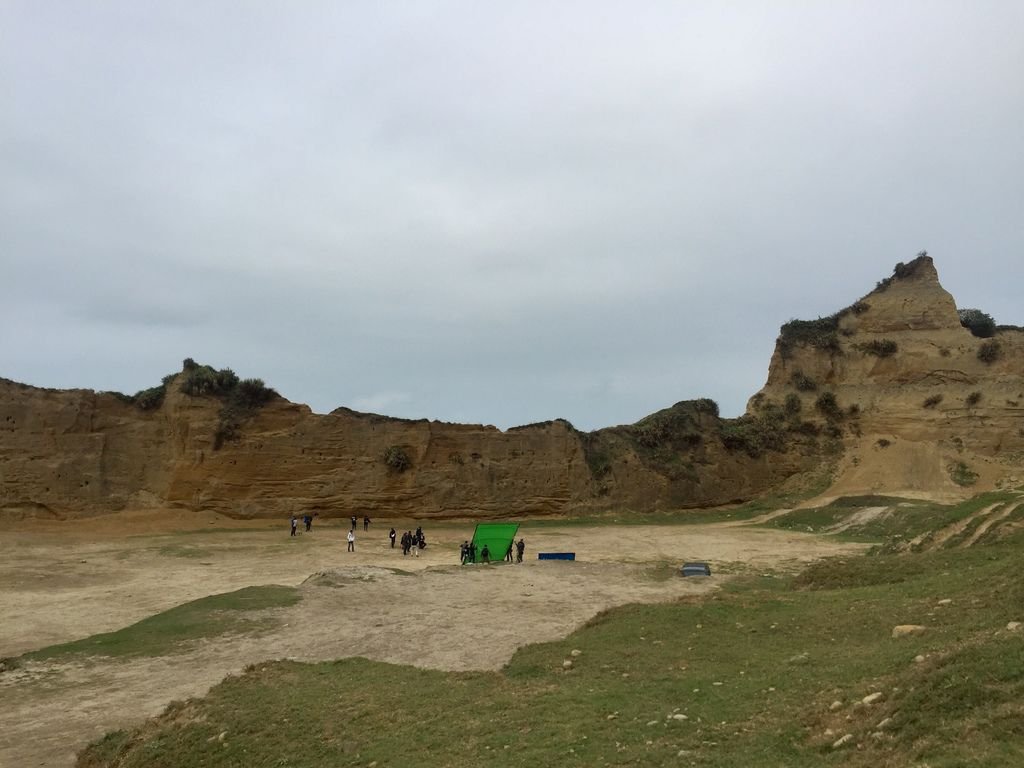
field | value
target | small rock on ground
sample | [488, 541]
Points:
[842, 741]
[905, 630]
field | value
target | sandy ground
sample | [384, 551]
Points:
[60, 582]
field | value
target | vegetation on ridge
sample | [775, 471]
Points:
[823, 334]
[167, 632]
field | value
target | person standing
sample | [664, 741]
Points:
[508, 552]
[366, 522]
[353, 522]
[295, 524]
[472, 551]
[464, 552]
[308, 522]
[351, 541]
[391, 535]
[485, 555]
[520, 548]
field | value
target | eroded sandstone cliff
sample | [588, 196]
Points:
[893, 389]
[923, 407]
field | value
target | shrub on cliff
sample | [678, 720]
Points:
[977, 322]
[150, 399]
[241, 398]
[931, 401]
[397, 459]
[204, 380]
[674, 428]
[754, 435]
[242, 402]
[901, 271]
[990, 351]
[792, 406]
[821, 334]
[828, 406]
[803, 382]
[252, 393]
[704, 405]
[878, 347]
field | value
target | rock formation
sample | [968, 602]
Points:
[924, 407]
[892, 391]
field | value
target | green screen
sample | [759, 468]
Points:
[497, 537]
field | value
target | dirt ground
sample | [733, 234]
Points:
[63, 581]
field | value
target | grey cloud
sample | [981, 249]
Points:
[500, 213]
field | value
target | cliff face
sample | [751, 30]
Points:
[928, 412]
[893, 388]
[78, 453]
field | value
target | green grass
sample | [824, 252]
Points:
[166, 632]
[782, 649]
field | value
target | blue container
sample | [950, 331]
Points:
[695, 569]
[556, 555]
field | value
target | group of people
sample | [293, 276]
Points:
[414, 542]
[468, 552]
[410, 541]
[307, 520]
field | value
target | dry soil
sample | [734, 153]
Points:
[63, 581]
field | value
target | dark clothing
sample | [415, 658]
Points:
[520, 548]
[308, 522]
[508, 554]
[485, 555]
[294, 525]
[366, 523]
[353, 518]
[392, 537]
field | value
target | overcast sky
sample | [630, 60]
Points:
[490, 212]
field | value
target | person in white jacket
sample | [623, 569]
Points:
[351, 541]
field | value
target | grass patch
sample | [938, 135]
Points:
[961, 474]
[165, 632]
[752, 669]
